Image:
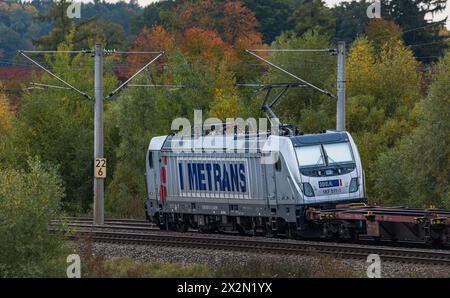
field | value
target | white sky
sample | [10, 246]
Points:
[329, 2]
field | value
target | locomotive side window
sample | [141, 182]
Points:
[150, 159]
[278, 165]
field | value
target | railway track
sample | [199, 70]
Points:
[143, 233]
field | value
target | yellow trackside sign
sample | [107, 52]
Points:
[100, 168]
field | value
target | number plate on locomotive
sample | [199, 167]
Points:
[330, 183]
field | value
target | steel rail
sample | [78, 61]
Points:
[256, 244]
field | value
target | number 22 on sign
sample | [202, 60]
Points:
[100, 168]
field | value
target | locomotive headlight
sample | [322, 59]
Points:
[308, 190]
[354, 185]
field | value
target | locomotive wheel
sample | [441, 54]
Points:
[181, 227]
[240, 229]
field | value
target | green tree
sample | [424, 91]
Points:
[370, 72]
[310, 110]
[140, 114]
[351, 19]
[361, 71]
[111, 35]
[62, 26]
[85, 34]
[380, 109]
[226, 103]
[381, 32]
[416, 172]
[313, 15]
[154, 14]
[57, 125]
[419, 33]
[18, 27]
[29, 200]
[273, 16]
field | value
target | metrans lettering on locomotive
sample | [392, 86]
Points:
[197, 175]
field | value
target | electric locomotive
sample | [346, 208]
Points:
[250, 183]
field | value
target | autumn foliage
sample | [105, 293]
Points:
[233, 21]
[206, 45]
[381, 32]
[5, 115]
[153, 39]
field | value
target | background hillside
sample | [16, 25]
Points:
[398, 72]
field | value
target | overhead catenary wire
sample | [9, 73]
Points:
[134, 52]
[412, 29]
[124, 84]
[156, 85]
[52, 52]
[49, 86]
[292, 75]
[292, 50]
[55, 76]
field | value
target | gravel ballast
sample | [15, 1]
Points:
[214, 258]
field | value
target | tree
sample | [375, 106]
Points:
[273, 16]
[56, 125]
[420, 34]
[417, 170]
[204, 46]
[86, 33]
[140, 114]
[351, 19]
[62, 26]
[111, 35]
[311, 110]
[237, 21]
[381, 32]
[226, 102]
[361, 74]
[29, 200]
[6, 115]
[231, 20]
[154, 14]
[370, 72]
[380, 109]
[152, 39]
[203, 14]
[397, 61]
[119, 13]
[18, 27]
[313, 15]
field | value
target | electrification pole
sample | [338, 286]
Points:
[99, 186]
[99, 161]
[340, 108]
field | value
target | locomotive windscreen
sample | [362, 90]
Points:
[324, 154]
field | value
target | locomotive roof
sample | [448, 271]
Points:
[229, 141]
[321, 138]
[240, 141]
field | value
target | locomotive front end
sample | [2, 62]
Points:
[330, 168]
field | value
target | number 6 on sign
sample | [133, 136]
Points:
[100, 168]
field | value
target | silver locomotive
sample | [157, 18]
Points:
[249, 183]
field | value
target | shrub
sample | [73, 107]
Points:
[29, 199]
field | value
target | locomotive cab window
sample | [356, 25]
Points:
[324, 154]
[338, 153]
[278, 165]
[150, 159]
[309, 156]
